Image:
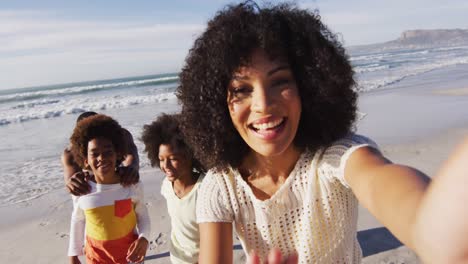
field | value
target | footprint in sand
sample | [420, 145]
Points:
[62, 235]
[158, 241]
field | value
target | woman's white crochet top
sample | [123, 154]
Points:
[314, 213]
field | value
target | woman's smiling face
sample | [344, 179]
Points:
[264, 104]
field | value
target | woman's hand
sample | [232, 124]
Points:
[137, 250]
[274, 257]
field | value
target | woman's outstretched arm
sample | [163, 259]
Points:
[391, 192]
[429, 217]
[442, 223]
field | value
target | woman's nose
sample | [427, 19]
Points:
[262, 99]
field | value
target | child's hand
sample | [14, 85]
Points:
[75, 260]
[137, 251]
[78, 183]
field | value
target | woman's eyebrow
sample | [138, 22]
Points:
[279, 68]
[240, 77]
[269, 73]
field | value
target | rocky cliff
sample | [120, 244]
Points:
[417, 39]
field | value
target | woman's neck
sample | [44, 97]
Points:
[265, 175]
[256, 165]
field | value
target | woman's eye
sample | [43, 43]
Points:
[241, 92]
[281, 82]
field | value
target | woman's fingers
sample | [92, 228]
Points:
[274, 257]
[253, 258]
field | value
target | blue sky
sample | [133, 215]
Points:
[50, 41]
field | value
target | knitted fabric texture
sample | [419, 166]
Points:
[314, 213]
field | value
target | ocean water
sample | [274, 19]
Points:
[35, 123]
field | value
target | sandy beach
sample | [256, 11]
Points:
[455, 92]
[406, 123]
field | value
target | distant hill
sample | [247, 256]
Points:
[418, 39]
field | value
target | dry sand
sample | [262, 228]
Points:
[455, 92]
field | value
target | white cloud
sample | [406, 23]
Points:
[37, 49]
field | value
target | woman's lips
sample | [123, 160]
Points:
[269, 130]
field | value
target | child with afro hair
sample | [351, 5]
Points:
[115, 217]
[167, 150]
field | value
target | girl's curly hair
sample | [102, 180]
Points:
[319, 64]
[165, 130]
[97, 126]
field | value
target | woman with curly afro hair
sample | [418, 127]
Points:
[268, 106]
[167, 150]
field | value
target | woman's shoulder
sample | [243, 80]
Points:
[215, 176]
[214, 197]
[344, 144]
[219, 179]
[332, 159]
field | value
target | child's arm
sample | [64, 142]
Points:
[137, 251]
[77, 232]
[75, 260]
[69, 165]
[74, 178]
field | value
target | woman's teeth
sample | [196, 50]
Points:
[269, 125]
